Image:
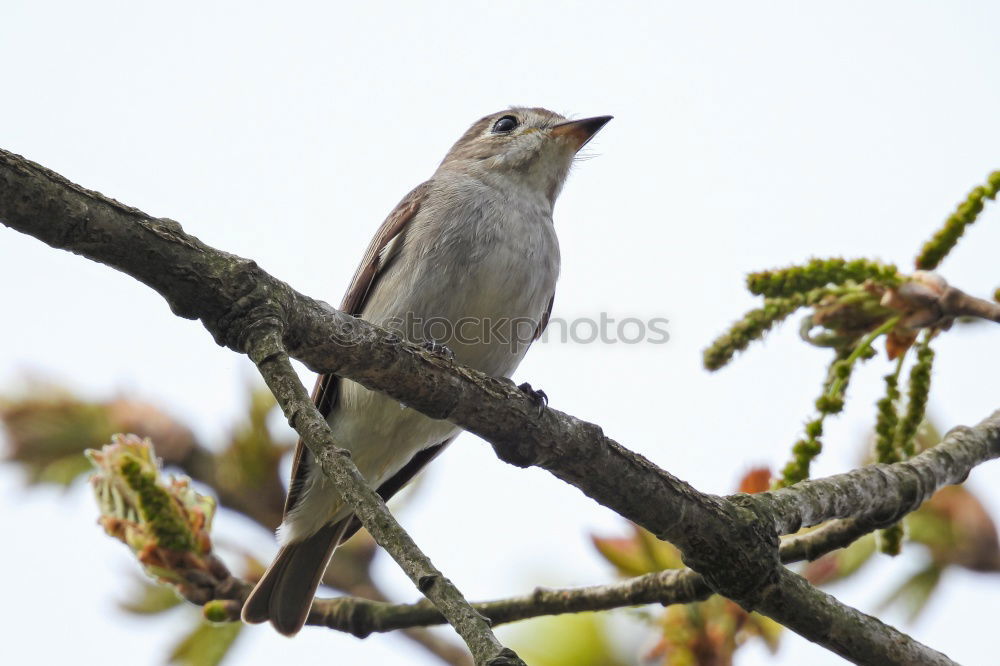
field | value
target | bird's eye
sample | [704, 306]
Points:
[505, 125]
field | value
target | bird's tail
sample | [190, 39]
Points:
[285, 593]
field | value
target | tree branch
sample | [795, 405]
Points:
[861, 638]
[223, 595]
[732, 542]
[882, 494]
[231, 296]
[362, 617]
[674, 586]
[835, 534]
[790, 600]
[264, 346]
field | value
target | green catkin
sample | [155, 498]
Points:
[887, 420]
[753, 326]
[890, 540]
[830, 401]
[786, 282]
[916, 406]
[896, 443]
[938, 247]
[805, 450]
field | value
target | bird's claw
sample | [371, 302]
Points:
[439, 349]
[538, 397]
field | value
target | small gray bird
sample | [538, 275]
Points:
[467, 260]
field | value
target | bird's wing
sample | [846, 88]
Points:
[395, 482]
[544, 321]
[380, 253]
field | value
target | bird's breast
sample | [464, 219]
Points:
[475, 272]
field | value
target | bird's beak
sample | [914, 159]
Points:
[579, 132]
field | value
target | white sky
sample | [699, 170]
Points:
[745, 136]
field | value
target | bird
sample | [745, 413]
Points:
[466, 264]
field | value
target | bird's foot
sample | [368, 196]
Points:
[538, 397]
[439, 349]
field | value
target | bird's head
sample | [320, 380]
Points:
[532, 147]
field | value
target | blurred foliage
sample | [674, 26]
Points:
[852, 304]
[581, 639]
[706, 633]
[46, 433]
[957, 530]
[245, 472]
[710, 632]
[253, 453]
[842, 563]
[150, 599]
[164, 521]
[206, 645]
[48, 429]
[953, 529]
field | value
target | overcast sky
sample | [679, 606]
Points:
[746, 136]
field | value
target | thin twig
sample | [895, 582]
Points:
[361, 616]
[266, 350]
